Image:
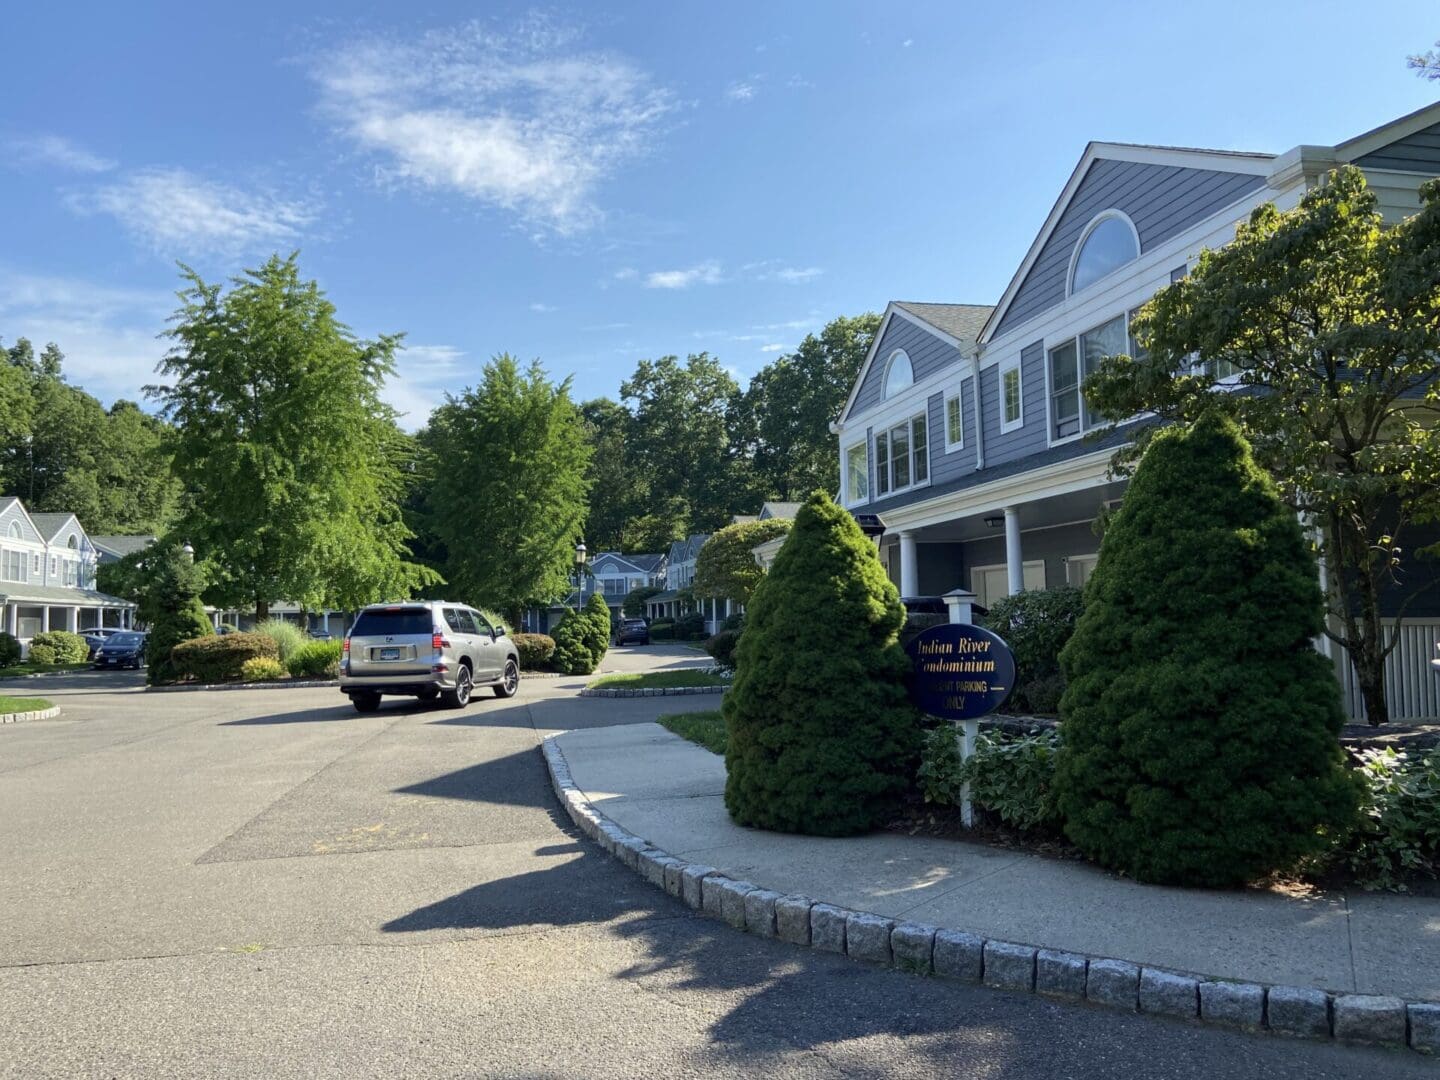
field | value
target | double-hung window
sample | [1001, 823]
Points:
[857, 473]
[954, 423]
[1071, 363]
[902, 457]
[1012, 404]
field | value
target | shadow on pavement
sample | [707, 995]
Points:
[517, 779]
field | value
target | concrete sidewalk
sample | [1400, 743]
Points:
[669, 791]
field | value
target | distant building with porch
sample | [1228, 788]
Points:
[47, 576]
[966, 430]
[610, 574]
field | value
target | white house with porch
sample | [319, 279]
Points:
[966, 430]
[47, 576]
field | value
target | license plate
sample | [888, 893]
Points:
[389, 654]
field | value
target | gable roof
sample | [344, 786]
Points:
[779, 510]
[1234, 161]
[120, 546]
[643, 563]
[1412, 124]
[648, 562]
[49, 525]
[942, 320]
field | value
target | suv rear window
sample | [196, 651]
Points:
[381, 622]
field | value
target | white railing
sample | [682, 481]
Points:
[1412, 685]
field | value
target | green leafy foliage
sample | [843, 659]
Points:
[262, 669]
[1201, 725]
[690, 627]
[1036, 624]
[940, 775]
[506, 458]
[633, 605]
[58, 647]
[721, 648]
[580, 643]
[9, 649]
[1331, 322]
[314, 660]
[597, 614]
[1398, 839]
[726, 568]
[662, 630]
[1013, 776]
[822, 736]
[222, 657]
[288, 636]
[171, 607]
[535, 650]
[292, 462]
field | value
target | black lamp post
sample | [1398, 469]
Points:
[580, 575]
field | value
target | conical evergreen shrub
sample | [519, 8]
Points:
[822, 736]
[1200, 724]
[597, 615]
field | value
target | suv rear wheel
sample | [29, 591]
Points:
[509, 682]
[460, 696]
[365, 702]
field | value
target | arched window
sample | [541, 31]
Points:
[1108, 243]
[898, 373]
[73, 544]
[15, 532]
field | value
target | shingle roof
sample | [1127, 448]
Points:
[22, 593]
[963, 321]
[646, 562]
[120, 546]
[50, 524]
[781, 509]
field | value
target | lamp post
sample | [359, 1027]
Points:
[580, 575]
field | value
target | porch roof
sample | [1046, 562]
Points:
[21, 593]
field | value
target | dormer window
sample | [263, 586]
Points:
[898, 373]
[1108, 243]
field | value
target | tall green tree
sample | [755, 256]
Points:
[618, 492]
[505, 486]
[726, 568]
[1330, 323]
[170, 606]
[782, 420]
[678, 438]
[291, 461]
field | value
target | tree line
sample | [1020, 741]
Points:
[272, 453]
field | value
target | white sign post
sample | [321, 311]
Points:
[961, 604]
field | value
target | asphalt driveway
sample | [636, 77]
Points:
[266, 883]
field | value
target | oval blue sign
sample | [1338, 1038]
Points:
[960, 671]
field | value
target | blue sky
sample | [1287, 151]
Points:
[593, 185]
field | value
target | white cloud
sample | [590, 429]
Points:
[525, 121]
[706, 273]
[741, 91]
[792, 275]
[58, 151]
[109, 335]
[907, 43]
[772, 348]
[542, 308]
[178, 213]
[423, 375]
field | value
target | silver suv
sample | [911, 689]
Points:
[425, 649]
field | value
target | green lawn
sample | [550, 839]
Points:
[23, 704]
[656, 680]
[27, 668]
[705, 729]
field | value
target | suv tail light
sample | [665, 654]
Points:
[345, 648]
[438, 642]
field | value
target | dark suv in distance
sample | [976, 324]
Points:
[121, 650]
[632, 632]
[426, 650]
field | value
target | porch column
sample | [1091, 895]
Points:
[12, 619]
[325, 621]
[72, 620]
[45, 619]
[1014, 561]
[909, 569]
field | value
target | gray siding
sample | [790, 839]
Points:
[1414, 153]
[1162, 200]
[14, 513]
[1030, 436]
[928, 354]
[946, 467]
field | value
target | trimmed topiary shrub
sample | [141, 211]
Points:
[721, 647]
[1200, 724]
[597, 612]
[822, 737]
[172, 607]
[315, 660]
[1037, 624]
[221, 657]
[262, 669]
[9, 649]
[535, 650]
[574, 645]
[662, 630]
[59, 647]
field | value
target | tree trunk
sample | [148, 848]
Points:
[262, 610]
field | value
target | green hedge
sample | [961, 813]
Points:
[662, 630]
[59, 647]
[9, 649]
[690, 627]
[1037, 624]
[262, 669]
[315, 660]
[721, 648]
[535, 650]
[221, 657]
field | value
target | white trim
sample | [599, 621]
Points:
[959, 398]
[896, 354]
[1378, 138]
[893, 310]
[929, 328]
[890, 310]
[1093, 224]
[908, 421]
[1013, 364]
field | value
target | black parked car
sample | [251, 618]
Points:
[96, 638]
[122, 650]
[632, 632]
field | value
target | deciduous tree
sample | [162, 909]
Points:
[726, 568]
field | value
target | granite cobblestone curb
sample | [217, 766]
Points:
[33, 714]
[1304, 1012]
[652, 691]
